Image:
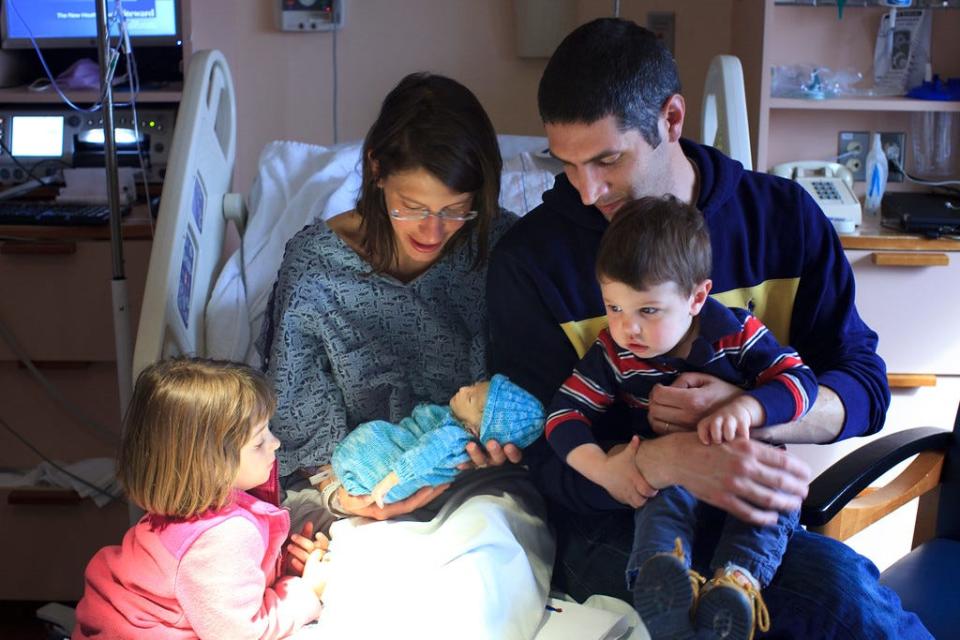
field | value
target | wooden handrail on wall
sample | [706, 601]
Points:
[911, 380]
[912, 259]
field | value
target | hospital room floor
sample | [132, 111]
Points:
[18, 621]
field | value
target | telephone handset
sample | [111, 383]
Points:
[831, 186]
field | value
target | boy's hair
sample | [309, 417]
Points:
[656, 240]
[187, 421]
[609, 67]
[433, 123]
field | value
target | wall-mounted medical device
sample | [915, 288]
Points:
[52, 137]
[309, 15]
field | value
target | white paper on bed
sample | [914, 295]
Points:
[296, 184]
[480, 569]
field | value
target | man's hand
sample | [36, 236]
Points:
[690, 398]
[493, 455]
[622, 479]
[300, 546]
[732, 420]
[363, 505]
[749, 479]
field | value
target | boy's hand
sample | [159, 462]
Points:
[300, 546]
[621, 478]
[732, 420]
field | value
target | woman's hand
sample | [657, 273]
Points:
[491, 455]
[364, 506]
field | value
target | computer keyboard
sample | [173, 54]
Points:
[53, 213]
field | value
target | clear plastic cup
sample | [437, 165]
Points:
[935, 143]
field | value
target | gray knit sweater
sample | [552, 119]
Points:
[344, 346]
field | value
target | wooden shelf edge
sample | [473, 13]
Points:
[866, 103]
[911, 380]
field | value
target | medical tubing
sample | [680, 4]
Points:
[56, 466]
[69, 408]
[929, 183]
[98, 104]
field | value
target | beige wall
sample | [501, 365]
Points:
[284, 80]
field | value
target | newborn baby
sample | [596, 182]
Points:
[389, 462]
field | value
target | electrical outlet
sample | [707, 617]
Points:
[892, 144]
[852, 148]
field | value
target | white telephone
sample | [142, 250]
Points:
[831, 185]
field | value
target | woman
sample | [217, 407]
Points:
[382, 307]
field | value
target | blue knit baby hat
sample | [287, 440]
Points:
[511, 414]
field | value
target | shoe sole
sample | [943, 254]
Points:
[726, 613]
[662, 595]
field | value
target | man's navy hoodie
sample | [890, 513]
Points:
[774, 253]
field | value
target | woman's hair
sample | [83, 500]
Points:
[433, 123]
[656, 240]
[186, 424]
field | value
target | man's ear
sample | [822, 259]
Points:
[699, 296]
[672, 114]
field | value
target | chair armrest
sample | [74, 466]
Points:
[848, 477]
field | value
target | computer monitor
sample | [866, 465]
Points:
[72, 23]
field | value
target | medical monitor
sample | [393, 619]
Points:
[73, 24]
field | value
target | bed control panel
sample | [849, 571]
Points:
[44, 140]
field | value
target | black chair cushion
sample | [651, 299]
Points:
[928, 582]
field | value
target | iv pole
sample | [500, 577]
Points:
[121, 311]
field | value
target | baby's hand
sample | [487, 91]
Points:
[300, 546]
[732, 420]
[621, 478]
[382, 488]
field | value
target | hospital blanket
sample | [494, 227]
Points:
[480, 569]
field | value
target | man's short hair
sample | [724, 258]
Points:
[609, 67]
[652, 241]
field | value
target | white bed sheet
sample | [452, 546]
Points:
[479, 570]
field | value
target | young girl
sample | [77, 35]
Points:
[205, 561]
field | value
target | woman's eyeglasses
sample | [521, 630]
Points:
[422, 214]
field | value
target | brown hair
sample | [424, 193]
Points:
[187, 421]
[433, 123]
[656, 240]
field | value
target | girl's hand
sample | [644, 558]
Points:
[316, 572]
[300, 546]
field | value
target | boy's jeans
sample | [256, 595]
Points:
[674, 513]
[822, 590]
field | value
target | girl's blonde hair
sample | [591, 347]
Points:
[183, 432]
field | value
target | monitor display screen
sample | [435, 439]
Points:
[73, 23]
[36, 136]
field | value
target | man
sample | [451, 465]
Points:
[611, 105]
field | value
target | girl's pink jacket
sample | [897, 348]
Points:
[212, 577]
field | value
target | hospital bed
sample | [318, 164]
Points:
[193, 305]
[196, 304]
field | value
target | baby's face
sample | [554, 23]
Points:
[468, 403]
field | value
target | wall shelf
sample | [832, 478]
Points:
[865, 103]
[21, 95]
[916, 4]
